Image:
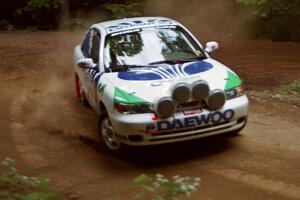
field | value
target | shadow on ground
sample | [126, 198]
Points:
[166, 154]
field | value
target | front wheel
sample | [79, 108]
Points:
[109, 139]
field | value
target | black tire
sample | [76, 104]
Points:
[108, 139]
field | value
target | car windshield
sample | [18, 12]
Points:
[148, 46]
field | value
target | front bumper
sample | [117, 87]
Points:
[143, 129]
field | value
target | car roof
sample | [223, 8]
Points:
[132, 23]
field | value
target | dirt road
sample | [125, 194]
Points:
[51, 134]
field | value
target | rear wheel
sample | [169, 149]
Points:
[109, 139]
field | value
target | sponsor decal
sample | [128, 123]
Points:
[165, 71]
[189, 122]
[165, 27]
[122, 96]
[95, 75]
[139, 23]
[126, 32]
[233, 81]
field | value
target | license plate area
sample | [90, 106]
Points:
[192, 112]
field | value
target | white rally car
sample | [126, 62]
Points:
[151, 82]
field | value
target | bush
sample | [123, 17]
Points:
[15, 186]
[120, 10]
[161, 188]
[277, 20]
[6, 25]
[292, 88]
[43, 14]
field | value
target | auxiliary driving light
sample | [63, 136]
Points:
[200, 90]
[181, 92]
[165, 107]
[216, 99]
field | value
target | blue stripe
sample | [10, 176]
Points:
[94, 72]
[146, 74]
[197, 67]
[97, 78]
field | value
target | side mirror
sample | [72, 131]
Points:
[211, 46]
[86, 63]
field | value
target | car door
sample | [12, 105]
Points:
[81, 72]
[92, 73]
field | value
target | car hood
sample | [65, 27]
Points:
[152, 83]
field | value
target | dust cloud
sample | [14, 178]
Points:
[208, 19]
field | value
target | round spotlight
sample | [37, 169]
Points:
[165, 107]
[200, 90]
[181, 92]
[216, 99]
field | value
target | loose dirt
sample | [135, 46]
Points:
[51, 134]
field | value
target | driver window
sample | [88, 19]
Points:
[85, 47]
[95, 47]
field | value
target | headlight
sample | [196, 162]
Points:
[134, 108]
[235, 92]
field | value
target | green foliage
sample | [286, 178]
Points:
[37, 5]
[75, 23]
[15, 186]
[120, 10]
[291, 88]
[6, 25]
[277, 20]
[43, 14]
[161, 188]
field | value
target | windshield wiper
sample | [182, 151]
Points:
[164, 61]
[126, 67]
[176, 61]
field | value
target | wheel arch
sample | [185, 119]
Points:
[102, 108]
[77, 86]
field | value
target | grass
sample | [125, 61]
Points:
[292, 88]
[16, 186]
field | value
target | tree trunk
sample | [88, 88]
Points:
[64, 13]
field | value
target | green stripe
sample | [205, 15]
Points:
[233, 81]
[124, 97]
[101, 88]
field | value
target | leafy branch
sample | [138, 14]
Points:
[120, 10]
[15, 186]
[162, 188]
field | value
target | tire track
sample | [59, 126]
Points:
[19, 133]
[258, 181]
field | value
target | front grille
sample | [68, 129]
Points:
[190, 105]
